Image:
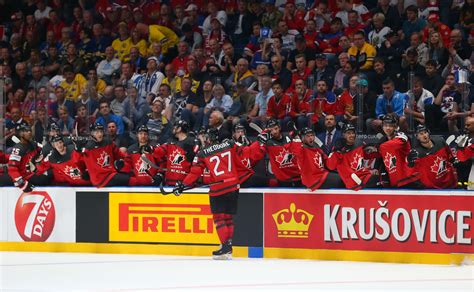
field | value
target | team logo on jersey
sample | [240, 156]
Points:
[176, 157]
[318, 160]
[246, 163]
[285, 158]
[72, 172]
[357, 163]
[104, 159]
[439, 167]
[390, 162]
[141, 166]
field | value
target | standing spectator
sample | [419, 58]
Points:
[362, 53]
[151, 80]
[109, 66]
[330, 134]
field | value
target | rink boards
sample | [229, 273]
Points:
[379, 225]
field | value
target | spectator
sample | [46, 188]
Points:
[106, 116]
[412, 24]
[138, 42]
[229, 59]
[109, 66]
[353, 24]
[38, 79]
[85, 47]
[21, 78]
[117, 105]
[410, 65]
[157, 124]
[55, 24]
[320, 16]
[391, 51]
[73, 83]
[434, 25]
[421, 48]
[301, 71]
[137, 61]
[392, 18]
[421, 98]
[40, 125]
[184, 104]
[42, 11]
[100, 41]
[258, 114]
[362, 53]
[239, 25]
[65, 122]
[192, 38]
[61, 100]
[72, 59]
[173, 81]
[242, 74]
[330, 134]
[300, 48]
[329, 41]
[441, 116]
[324, 103]
[301, 104]
[94, 82]
[324, 72]
[358, 102]
[179, 63]
[340, 78]
[280, 72]
[11, 123]
[151, 80]
[432, 80]
[310, 34]
[214, 13]
[165, 95]
[278, 105]
[52, 64]
[287, 37]
[272, 15]
[113, 132]
[83, 121]
[391, 101]
[135, 110]
[220, 102]
[122, 44]
[377, 35]
[217, 121]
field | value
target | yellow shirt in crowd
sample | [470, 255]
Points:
[73, 90]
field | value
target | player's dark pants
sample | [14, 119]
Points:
[256, 180]
[333, 181]
[119, 179]
[290, 184]
[373, 182]
[36, 180]
[223, 208]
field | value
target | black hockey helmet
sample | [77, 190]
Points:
[23, 127]
[348, 127]
[306, 130]
[272, 123]
[54, 127]
[421, 128]
[56, 138]
[181, 124]
[238, 126]
[96, 127]
[213, 134]
[390, 119]
[142, 128]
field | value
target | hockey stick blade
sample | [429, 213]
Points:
[450, 139]
[151, 163]
[255, 127]
[356, 179]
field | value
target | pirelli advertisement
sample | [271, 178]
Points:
[370, 222]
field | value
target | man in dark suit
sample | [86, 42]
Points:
[330, 134]
[216, 120]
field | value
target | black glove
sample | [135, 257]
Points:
[340, 146]
[263, 137]
[145, 149]
[157, 179]
[412, 157]
[178, 188]
[24, 185]
[119, 164]
[79, 142]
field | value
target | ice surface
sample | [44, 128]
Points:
[107, 272]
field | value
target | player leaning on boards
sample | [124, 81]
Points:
[227, 172]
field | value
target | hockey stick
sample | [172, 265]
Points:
[255, 127]
[450, 139]
[316, 139]
[151, 163]
[165, 193]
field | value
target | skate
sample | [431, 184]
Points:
[224, 253]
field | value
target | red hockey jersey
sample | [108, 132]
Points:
[99, 159]
[282, 161]
[279, 109]
[311, 162]
[223, 162]
[177, 157]
[394, 154]
[300, 106]
[349, 161]
[435, 167]
[68, 169]
[20, 164]
[140, 170]
[466, 153]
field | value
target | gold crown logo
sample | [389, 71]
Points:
[293, 223]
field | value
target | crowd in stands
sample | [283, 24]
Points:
[126, 64]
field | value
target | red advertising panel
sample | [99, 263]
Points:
[370, 222]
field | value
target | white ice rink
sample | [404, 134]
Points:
[105, 272]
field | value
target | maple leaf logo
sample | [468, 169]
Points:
[72, 172]
[246, 163]
[141, 166]
[285, 158]
[390, 162]
[318, 160]
[176, 157]
[357, 162]
[104, 159]
[439, 167]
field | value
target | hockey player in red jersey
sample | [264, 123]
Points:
[66, 164]
[282, 160]
[177, 154]
[104, 160]
[311, 161]
[348, 159]
[394, 148]
[23, 159]
[222, 159]
[142, 173]
[433, 159]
